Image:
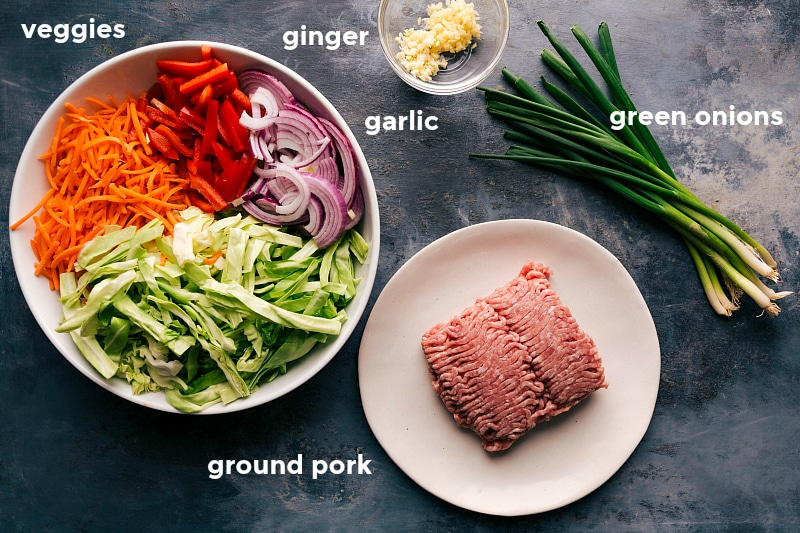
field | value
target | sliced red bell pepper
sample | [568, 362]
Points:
[183, 171]
[206, 52]
[155, 91]
[224, 184]
[208, 192]
[197, 154]
[210, 129]
[206, 170]
[172, 94]
[234, 179]
[201, 99]
[141, 103]
[192, 115]
[241, 100]
[193, 119]
[158, 116]
[236, 134]
[224, 155]
[174, 140]
[164, 108]
[198, 82]
[226, 86]
[248, 164]
[162, 144]
[197, 200]
[203, 168]
[184, 69]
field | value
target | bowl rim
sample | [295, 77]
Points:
[432, 88]
[32, 286]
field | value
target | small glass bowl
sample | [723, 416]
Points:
[465, 70]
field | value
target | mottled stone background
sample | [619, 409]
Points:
[723, 450]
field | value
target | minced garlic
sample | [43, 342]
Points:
[447, 29]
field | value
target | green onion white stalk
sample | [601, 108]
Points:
[560, 134]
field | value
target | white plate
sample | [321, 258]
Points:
[557, 462]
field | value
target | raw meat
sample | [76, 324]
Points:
[512, 360]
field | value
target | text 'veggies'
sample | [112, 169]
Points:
[78, 33]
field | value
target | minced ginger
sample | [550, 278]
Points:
[447, 29]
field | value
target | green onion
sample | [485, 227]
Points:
[560, 134]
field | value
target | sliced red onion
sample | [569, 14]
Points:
[261, 147]
[256, 123]
[356, 209]
[323, 211]
[262, 210]
[265, 107]
[334, 211]
[299, 197]
[307, 116]
[316, 216]
[265, 172]
[264, 100]
[308, 175]
[286, 204]
[325, 167]
[251, 80]
[345, 152]
[301, 135]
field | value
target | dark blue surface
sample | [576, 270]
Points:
[723, 450]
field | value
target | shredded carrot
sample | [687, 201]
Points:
[99, 103]
[44, 200]
[213, 259]
[137, 126]
[101, 172]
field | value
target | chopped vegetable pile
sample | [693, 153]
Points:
[193, 112]
[202, 236]
[562, 135]
[210, 312]
[100, 173]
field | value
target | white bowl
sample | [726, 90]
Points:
[464, 71]
[131, 73]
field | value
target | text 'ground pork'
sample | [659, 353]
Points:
[512, 360]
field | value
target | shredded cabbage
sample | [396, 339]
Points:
[210, 312]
